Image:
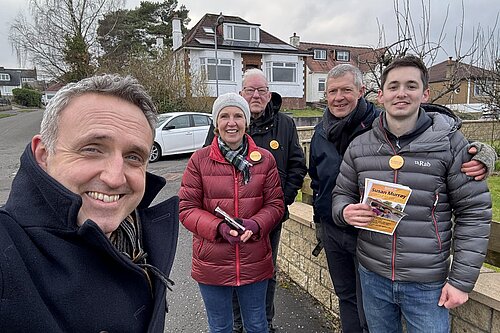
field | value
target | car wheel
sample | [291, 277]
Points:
[155, 153]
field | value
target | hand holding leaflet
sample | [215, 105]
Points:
[387, 201]
[231, 222]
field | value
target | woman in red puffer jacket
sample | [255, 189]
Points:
[242, 179]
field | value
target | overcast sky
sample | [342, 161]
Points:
[353, 22]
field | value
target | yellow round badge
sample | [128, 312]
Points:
[255, 156]
[274, 144]
[396, 162]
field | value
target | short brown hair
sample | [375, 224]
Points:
[407, 61]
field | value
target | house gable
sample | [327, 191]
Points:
[325, 57]
[15, 78]
[242, 45]
[456, 85]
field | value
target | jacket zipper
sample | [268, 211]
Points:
[435, 221]
[395, 180]
[394, 241]
[236, 209]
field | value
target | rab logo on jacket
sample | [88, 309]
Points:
[423, 164]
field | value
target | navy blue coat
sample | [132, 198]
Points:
[58, 277]
[324, 165]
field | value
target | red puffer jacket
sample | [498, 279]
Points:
[210, 181]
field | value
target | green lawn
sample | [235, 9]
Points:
[494, 185]
[5, 115]
[306, 112]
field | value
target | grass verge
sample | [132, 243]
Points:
[494, 186]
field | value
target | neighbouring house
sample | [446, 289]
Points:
[15, 78]
[50, 91]
[240, 45]
[325, 57]
[460, 86]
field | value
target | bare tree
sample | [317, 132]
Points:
[489, 80]
[417, 37]
[165, 78]
[60, 36]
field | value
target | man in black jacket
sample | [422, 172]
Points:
[276, 132]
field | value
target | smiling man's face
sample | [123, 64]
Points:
[101, 153]
[403, 92]
[342, 95]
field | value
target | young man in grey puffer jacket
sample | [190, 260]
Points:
[409, 272]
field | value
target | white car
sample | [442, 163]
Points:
[179, 132]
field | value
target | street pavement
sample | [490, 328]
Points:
[296, 311]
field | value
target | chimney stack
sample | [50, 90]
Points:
[176, 33]
[295, 40]
[449, 68]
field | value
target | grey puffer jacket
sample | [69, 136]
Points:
[419, 249]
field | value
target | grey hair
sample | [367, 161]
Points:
[343, 69]
[126, 88]
[253, 72]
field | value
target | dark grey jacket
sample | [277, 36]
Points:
[419, 250]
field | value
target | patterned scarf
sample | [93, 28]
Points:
[237, 157]
[340, 131]
[127, 239]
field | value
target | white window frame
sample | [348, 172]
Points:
[273, 66]
[209, 30]
[229, 32]
[342, 55]
[321, 81]
[222, 63]
[4, 77]
[479, 88]
[319, 54]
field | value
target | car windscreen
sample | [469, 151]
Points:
[161, 119]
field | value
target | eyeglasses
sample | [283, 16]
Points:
[251, 91]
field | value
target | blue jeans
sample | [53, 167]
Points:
[340, 250]
[274, 237]
[219, 307]
[385, 301]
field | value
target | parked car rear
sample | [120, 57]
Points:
[179, 132]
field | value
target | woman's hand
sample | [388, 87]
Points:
[229, 234]
[251, 229]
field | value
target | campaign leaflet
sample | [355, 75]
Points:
[388, 201]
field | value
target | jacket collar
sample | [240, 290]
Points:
[266, 120]
[216, 154]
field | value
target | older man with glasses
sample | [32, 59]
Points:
[276, 132]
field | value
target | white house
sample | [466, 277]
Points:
[11, 79]
[241, 45]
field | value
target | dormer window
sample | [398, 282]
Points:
[241, 33]
[4, 77]
[342, 55]
[319, 54]
[208, 30]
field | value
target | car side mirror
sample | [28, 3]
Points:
[169, 127]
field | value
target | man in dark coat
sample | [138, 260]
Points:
[81, 250]
[276, 132]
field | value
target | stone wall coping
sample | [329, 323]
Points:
[486, 290]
